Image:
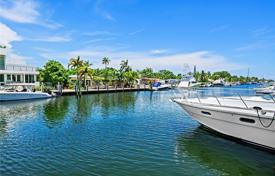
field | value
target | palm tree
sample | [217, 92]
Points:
[84, 71]
[76, 63]
[124, 67]
[129, 77]
[105, 61]
[106, 77]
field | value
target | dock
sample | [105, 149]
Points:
[99, 91]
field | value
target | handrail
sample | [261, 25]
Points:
[272, 98]
[243, 101]
[218, 100]
[198, 98]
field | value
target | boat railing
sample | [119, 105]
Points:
[195, 94]
[261, 112]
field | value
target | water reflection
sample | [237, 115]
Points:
[11, 112]
[55, 111]
[223, 155]
[83, 108]
[122, 101]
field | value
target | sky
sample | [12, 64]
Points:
[214, 35]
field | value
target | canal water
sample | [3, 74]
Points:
[133, 133]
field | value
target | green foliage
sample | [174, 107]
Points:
[53, 72]
[147, 72]
[105, 61]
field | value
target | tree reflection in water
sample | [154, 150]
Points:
[223, 155]
[109, 103]
[55, 111]
[83, 109]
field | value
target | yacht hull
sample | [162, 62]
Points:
[240, 126]
[16, 96]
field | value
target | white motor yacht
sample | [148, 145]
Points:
[250, 119]
[13, 93]
[188, 81]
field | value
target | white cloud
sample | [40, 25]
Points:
[219, 28]
[102, 12]
[99, 40]
[24, 11]
[8, 36]
[99, 33]
[138, 60]
[13, 58]
[254, 46]
[136, 32]
[51, 39]
[159, 51]
[261, 32]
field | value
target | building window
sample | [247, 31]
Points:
[1, 77]
[8, 77]
[29, 78]
[26, 78]
[13, 78]
[32, 78]
[18, 78]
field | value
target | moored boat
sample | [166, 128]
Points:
[249, 119]
[266, 90]
[188, 81]
[12, 96]
[15, 93]
[160, 86]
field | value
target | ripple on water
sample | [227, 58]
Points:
[117, 134]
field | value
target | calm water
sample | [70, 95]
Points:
[137, 133]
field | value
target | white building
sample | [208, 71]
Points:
[16, 74]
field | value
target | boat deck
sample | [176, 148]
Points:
[243, 105]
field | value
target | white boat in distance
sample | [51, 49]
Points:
[188, 81]
[266, 90]
[160, 86]
[249, 119]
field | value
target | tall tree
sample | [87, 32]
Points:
[124, 67]
[76, 63]
[86, 71]
[105, 61]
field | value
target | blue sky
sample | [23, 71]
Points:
[214, 34]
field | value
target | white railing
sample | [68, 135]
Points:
[196, 94]
[20, 68]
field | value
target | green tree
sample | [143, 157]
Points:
[76, 63]
[105, 61]
[53, 72]
[124, 67]
[147, 72]
[221, 74]
[130, 77]
[165, 74]
[86, 71]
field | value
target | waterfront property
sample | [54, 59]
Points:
[16, 74]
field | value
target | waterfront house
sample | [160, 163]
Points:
[11, 74]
